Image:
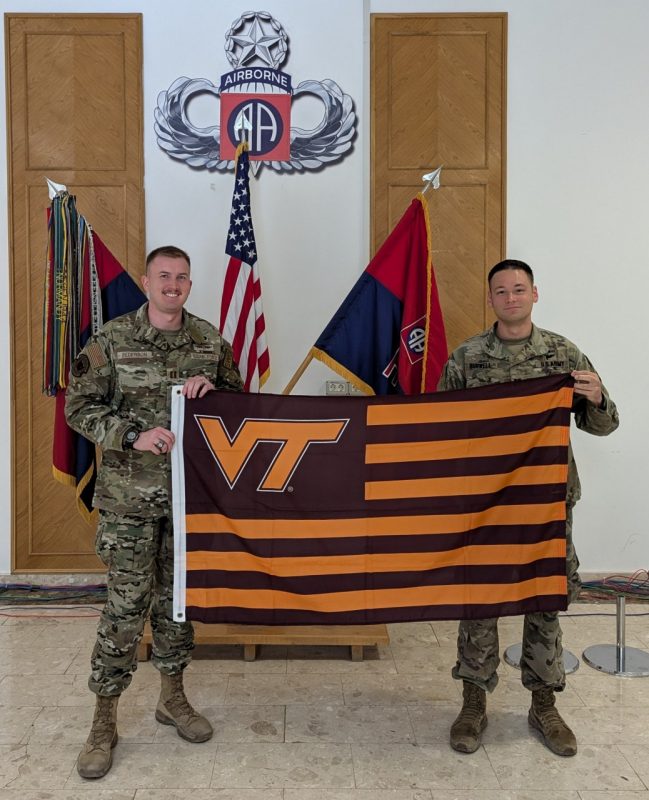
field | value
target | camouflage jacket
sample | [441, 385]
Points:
[122, 378]
[484, 359]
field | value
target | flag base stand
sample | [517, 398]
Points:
[356, 637]
[628, 662]
[512, 656]
[618, 659]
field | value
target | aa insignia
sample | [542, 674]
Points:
[80, 365]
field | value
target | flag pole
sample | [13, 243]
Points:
[298, 373]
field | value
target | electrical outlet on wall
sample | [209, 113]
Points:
[338, 388]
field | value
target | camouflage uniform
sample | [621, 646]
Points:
[122, 379]
[479, 361]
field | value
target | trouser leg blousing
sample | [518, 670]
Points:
[96, 757]
[174, 709]
[477, 653]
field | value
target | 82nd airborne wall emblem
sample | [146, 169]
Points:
[256, 92]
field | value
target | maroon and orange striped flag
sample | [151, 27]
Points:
[351, 510]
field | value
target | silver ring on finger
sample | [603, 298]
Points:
[160, 444]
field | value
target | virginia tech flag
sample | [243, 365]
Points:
[357, 510]
[93, 288]
[388, 335]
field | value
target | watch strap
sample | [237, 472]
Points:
[131, 436]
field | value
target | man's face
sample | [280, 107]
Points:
[167, 283]
[511, 295]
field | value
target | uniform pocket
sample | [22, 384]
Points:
[106, 541]
[123, 546]
[139, 374]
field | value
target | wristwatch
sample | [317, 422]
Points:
[130, 437]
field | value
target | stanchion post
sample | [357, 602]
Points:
[620, 610]
[618, 659]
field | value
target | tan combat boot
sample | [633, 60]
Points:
[546, 719]
[96, 757]
[174, 709]
[467, 729]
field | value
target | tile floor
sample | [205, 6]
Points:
[309, 724]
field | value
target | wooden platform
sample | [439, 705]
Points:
[250, 636]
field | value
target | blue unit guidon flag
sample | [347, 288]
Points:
[388, 335]
[357, 510]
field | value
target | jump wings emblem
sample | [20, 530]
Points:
[256, 45]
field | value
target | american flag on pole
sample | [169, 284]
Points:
[242, 317]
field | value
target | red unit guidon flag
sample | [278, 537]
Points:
[358, 510]
[388, 335]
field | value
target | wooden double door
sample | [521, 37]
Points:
[74, 99]
[438, 98]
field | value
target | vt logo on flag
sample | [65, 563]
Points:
[293, 437]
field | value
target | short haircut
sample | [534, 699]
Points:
[169, 250]
[511, 263]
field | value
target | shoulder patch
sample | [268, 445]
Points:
[96, 355]
[80, 365]
[228, 360]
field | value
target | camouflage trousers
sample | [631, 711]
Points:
[542, 654]
[139, 555]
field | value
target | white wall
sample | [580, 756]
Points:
[578, 112]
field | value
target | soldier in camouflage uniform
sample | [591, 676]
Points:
[515, 349]
[119, 398]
